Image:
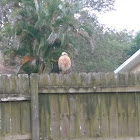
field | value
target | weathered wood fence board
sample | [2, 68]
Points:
[15, 107]
[94, 115]
[25, 117]
[104, 121]
[76, 106]
[113, 115]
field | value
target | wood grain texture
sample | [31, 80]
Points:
[54, 116]
[83, 116]
[94, 115]
[64, 116]
[104, 115]
[122, 114]
[25, 120]
[73, 116]
[132, 115]
[34, 106]
[113, 115]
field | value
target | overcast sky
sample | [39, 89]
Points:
[126, 16]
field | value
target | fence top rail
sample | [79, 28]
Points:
[89, 82]
[71, 83]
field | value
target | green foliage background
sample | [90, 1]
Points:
[43, 31]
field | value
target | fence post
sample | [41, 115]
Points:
[34, 106]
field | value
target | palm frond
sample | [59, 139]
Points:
[28, 3]
[53, 7]
[7, 30]
[87, 28]
[7, 51]
[25, 46]
[33, 31]
[65, 20]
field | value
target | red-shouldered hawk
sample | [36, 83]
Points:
[64, 62]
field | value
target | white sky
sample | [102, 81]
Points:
[126, 16]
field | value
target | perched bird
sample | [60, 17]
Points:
[64, 62]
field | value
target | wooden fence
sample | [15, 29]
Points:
[93, 106]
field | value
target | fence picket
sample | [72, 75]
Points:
[64, 116]
[54, 116]
[132, 115]
[104, 114]
[34, 106]
[94, 115]
[113, 115]
[122, 114]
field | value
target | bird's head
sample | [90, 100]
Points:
[64, 53]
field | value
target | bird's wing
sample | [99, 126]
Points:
[59, 62]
